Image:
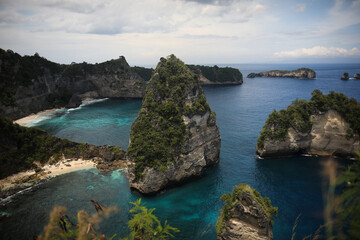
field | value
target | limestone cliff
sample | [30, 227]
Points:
[245, 215]
[326, 125]
[302, 73]
[175, 136]
[32, 83]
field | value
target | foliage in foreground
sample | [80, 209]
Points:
[144, 225]
[297, 115]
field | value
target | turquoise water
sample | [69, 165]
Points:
[293, 184]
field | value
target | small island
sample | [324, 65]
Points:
[175, 136]
[245, 215]
[357, 75]
[345, 76]
[217, 75]
[326, 125]
[301, 73]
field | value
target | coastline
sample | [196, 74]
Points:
[22, 180]
[25, 121]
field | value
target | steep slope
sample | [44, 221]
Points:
[175, 136]
[302, 73]
[31, 83]
[326, 125]
[245, 215]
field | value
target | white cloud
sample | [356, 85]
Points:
[300, 7]
[319, 51]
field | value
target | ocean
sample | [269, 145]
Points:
[294, 184]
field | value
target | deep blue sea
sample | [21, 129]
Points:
[294, 184]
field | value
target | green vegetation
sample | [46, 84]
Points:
[159, 130]
[295, 71]
[21, 71]
[230, 199]
[297, 115]
[21, 146]
[347, 208]
[216, 74]
[144, 225]
[144, 73]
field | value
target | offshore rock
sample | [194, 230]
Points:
[175, 136]
[328, 136]
[246, 215]
[32, 83]
[345, 76]
[326, 125]
[301, 73]
[357, 75]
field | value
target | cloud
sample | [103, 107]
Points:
[319, 51]
[125, 16]
[300, 7]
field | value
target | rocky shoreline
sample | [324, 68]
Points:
[301, 73]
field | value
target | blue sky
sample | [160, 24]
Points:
[197, 31]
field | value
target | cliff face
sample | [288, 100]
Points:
[305, 129]
[32, 83]
[175, 136]
[328, 136]
[245, 215]
[302, 73]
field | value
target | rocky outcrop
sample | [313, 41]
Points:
[357, 75]
[312, 128]
[245, 215]
[31, 83]
[301, 73]
[175, 137]
[329, 135]
[345, 76]
[217, 75]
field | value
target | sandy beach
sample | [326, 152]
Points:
[26, 179]
[25, 121]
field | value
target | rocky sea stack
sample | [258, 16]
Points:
[345, 76]
[302, 73]
[245, 215]
[175, 136]
[326, 125]
[357, 75]
[30, 84]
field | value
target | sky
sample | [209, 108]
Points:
[196, 31]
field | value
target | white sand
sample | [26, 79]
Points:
[34, 117]
[30, 177]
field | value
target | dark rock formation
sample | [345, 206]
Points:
[326, 125]
[31, 83]
[175, 136]
[216, 75]
[245, 215]
[302, 73]
[345, 76]
[357, 75]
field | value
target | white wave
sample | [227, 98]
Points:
[87, 102]
[258, 157]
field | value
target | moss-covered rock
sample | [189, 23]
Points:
[304, 124]
[302, 73]
[162, 139]
[245, 215]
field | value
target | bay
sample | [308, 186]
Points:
[294, 184]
